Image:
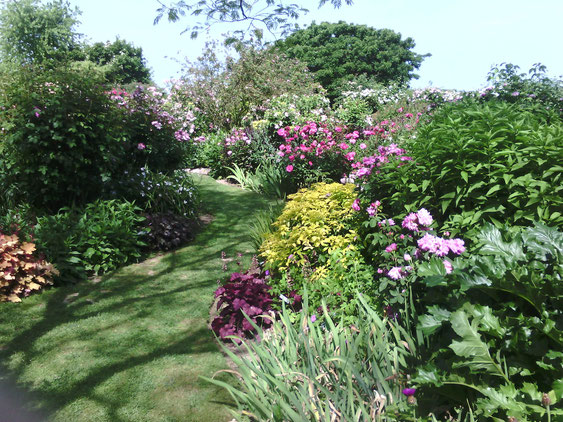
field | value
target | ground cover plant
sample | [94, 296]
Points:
[132, 345]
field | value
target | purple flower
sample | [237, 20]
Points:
[313, 318]
[141, 146]
[409, 391]
[448, 266]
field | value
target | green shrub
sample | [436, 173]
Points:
[21, 273]
[59, 144]
[324, 372]
[98, 238]
[314, 245]
[152, 136]
[534, 87]
[354, 112]
[473, 164]
[494, 326]
[156, 192]
[289, 110]
[315, 222]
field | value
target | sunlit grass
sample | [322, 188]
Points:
[132, 346]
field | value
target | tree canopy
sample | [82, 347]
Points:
[122, 62]
[273, 15]
[33, 33]
[338, 52]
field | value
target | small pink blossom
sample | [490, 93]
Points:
[363, 146]
[424, 217]
[448, 266]
[141, 146]
[395, 273]
[356, 205]
[289, 168]
[391, 248]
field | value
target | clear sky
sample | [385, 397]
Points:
[465, 37]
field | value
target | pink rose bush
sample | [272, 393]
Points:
[398, 250]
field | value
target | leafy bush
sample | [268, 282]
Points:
[534, 87]
[354, 113]
[313, 371]
[315, 222]
[314, 245]
[495, 325]
[474, 163]
[21, 273]
[168, 231]
[223, 93]
[153, 136]
[156, 192]
[243, 296]
[59, 142]
[289, 110]
[98, 238]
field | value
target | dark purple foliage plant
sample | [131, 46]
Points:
[244, 293]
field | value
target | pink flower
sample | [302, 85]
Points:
[410, 222]
[372, 209]
[395, 273]
[289, 168]
[350, 156]
[356, 205]
[424, 217]
[363, 146]
[157, 124]
[338, 129]
[448, 266]
[229, 153]
[141, 146]
[391, 248]
[407, 257]
[457, 246]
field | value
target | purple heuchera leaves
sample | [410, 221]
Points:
[245, 292]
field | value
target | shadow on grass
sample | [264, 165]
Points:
[141, 300]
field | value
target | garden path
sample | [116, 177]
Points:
[132, 345]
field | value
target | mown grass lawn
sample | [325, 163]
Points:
[131, 347]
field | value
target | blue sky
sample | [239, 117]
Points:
[464, 37]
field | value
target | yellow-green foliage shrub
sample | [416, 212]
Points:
[314, 223]
[20, 272]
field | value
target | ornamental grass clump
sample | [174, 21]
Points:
[313, 371]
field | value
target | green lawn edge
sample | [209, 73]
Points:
[132, 346]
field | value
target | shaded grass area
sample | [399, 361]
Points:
[132, 346]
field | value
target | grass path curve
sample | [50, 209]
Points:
[132, 346]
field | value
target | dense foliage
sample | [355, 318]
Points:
[475, 163]
[243, 303]
[121, 62]
[94, 239]
[60, 138]
[337, 52]
[21, 271]
[40, 34]
[495, 324]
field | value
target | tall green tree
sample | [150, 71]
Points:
[36, 33]
[121, 62]
[339, 52]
